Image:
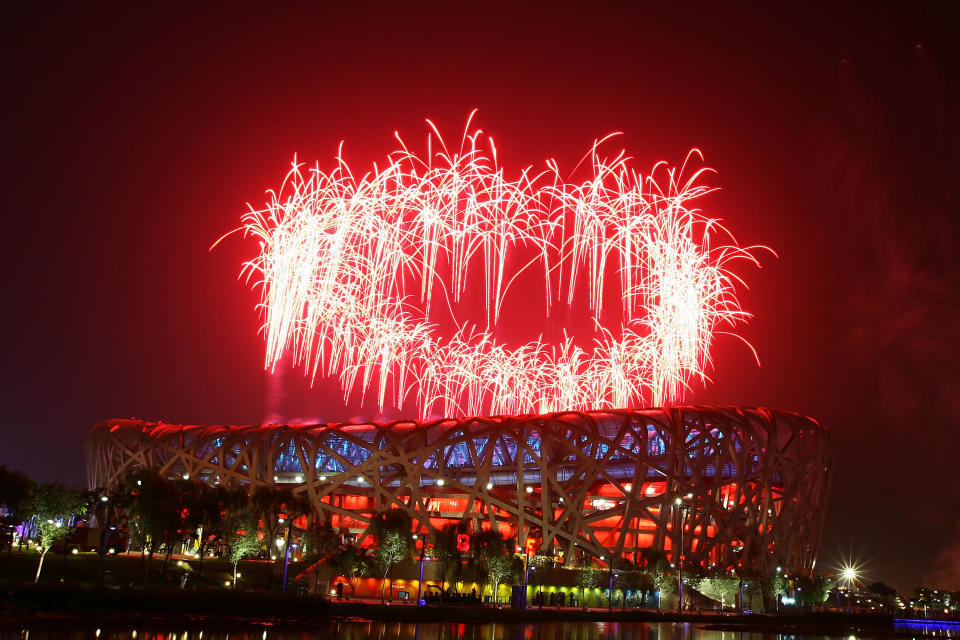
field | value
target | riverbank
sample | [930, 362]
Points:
[23, 605]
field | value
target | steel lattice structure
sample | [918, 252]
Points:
[752, 482]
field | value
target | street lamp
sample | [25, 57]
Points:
[609, 583]
[741, 592]
[281, 518]
[850, 575]
[739, 571]
[684, 507]
[526, 577]
[529, 547]
[535, 576]
[107, 528]
[423, 550]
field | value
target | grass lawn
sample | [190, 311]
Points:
[131, 570]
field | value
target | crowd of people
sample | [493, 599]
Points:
[452, 597]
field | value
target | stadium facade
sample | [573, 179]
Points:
[742, 487]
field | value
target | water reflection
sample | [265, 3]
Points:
[379, 630]
[927, 628]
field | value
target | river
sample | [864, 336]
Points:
[384, 630]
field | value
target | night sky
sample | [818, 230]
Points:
[133, 138]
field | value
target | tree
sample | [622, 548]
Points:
[773, 587]
[540, 564]
[721, 588]
[392, 531]
[53, 505]
[15, 497]
[268, 502]
[195, 505]
[352, 563]
[206, 516]
[494, 557]
[446, 553]
[242, 544]
[822, 587]
[499, 569]
[813, 590]
[588, 577]
[752, 583]
[886, 593]
[184, 498]
[237, 519]
[392, 548]
[109, 507]
[646, 585]
[237, 525]
[154, 511]
[627, 577]
[320, 541]
[661, 573]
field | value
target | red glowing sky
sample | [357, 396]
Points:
[133, 138]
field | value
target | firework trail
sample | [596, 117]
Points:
[353, 270]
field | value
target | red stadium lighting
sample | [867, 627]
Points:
[764, 461]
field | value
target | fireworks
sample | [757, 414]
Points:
[359, 275]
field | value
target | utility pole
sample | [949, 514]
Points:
[423, 548]
[526, 577]
[286, 555]
[610, 585]
[740, 576]
[679, 555]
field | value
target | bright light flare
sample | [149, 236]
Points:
[850, 574]
[356, 274]
[849, 571]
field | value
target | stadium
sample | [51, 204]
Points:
[731, 486]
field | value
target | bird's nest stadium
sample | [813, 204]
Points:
[741, 487]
